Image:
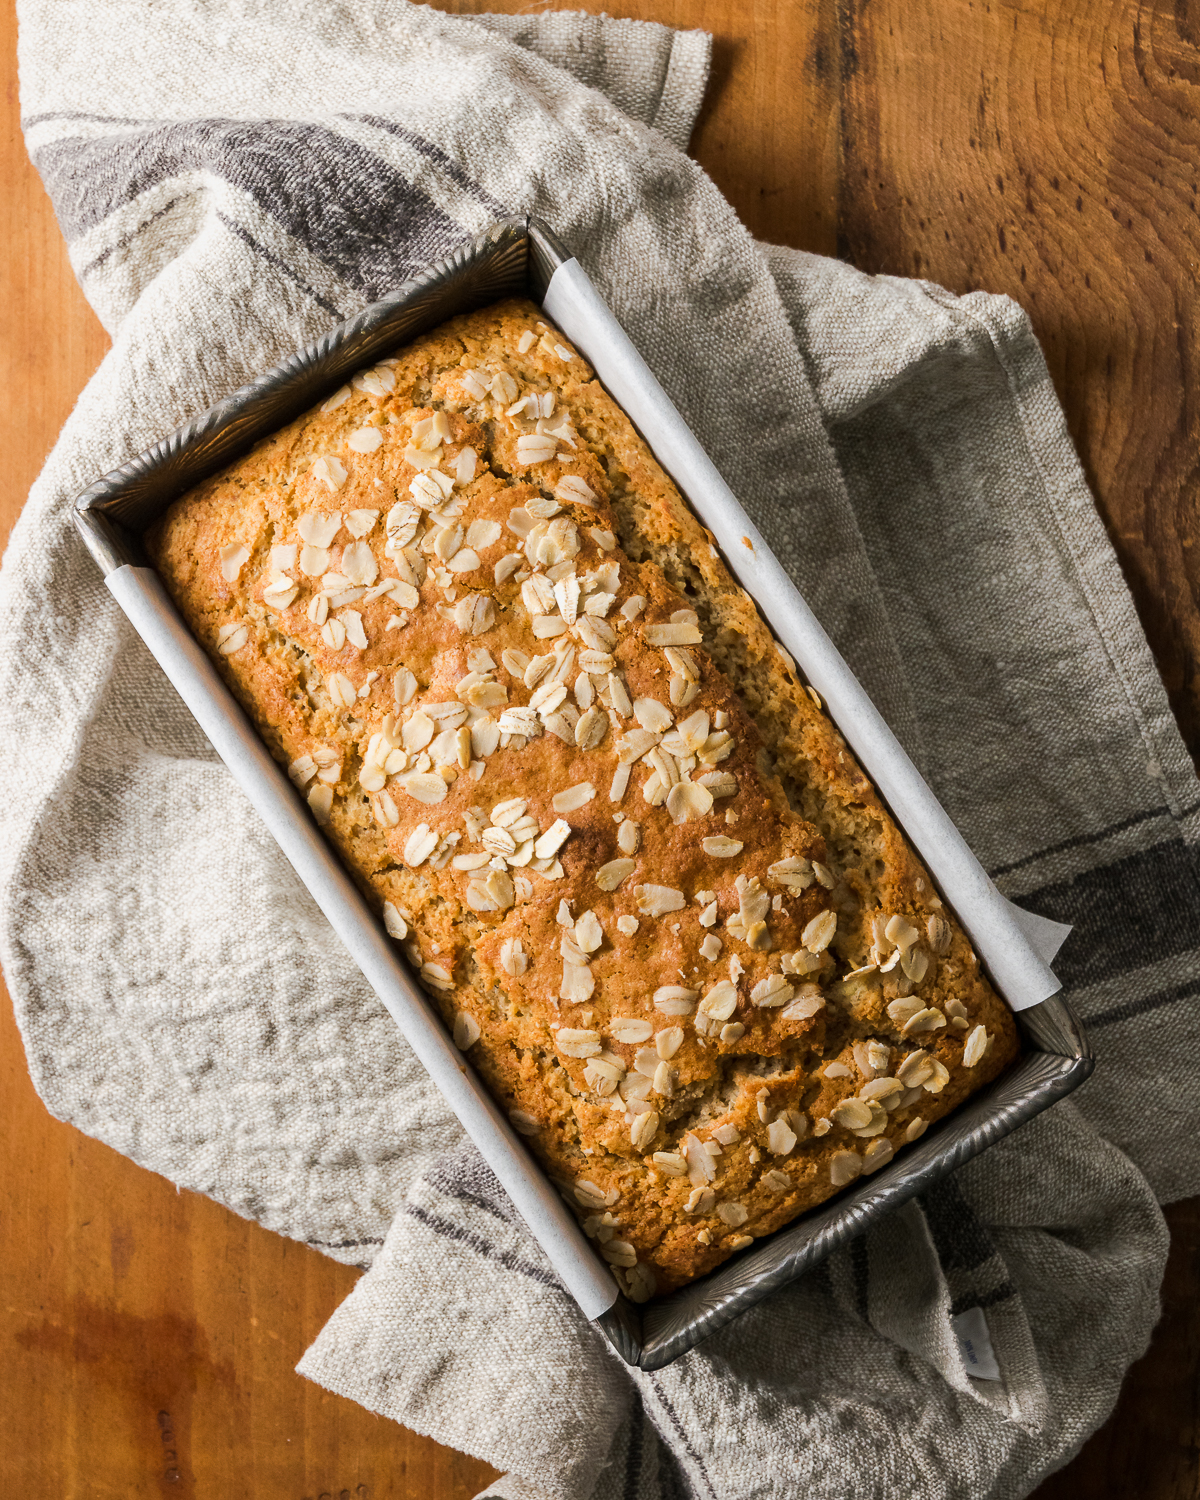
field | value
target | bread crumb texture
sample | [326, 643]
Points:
[657, 903]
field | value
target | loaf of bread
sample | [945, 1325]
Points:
[662, 910]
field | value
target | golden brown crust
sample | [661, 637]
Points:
[709, 997]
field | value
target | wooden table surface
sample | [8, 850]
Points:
[147, 1338]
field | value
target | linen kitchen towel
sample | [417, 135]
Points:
[233, 177]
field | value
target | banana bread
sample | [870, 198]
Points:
[660, 907]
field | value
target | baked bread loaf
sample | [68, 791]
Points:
[663, 911]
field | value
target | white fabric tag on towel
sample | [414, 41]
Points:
[975, 1344]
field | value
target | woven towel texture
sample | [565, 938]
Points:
[233, 177]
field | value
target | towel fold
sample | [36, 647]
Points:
[231, 177]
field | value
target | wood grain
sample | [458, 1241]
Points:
[149, 1342]
[1053, 152]
[768, 132]
[1150, 1447]
[149, 1337]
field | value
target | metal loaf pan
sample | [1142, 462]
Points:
[521, 256]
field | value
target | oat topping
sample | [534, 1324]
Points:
[502, 665]
[975, 1047]
[232, 637]
[233, 560]
[844, 1167]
